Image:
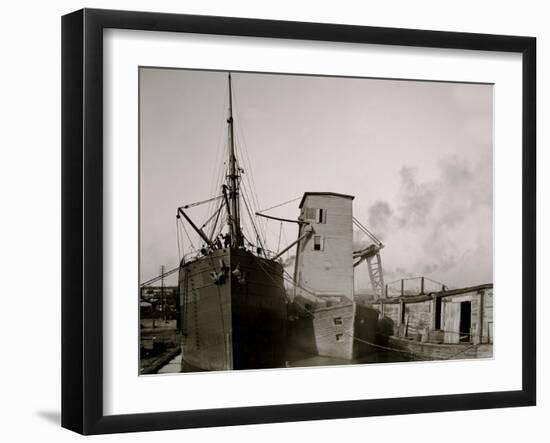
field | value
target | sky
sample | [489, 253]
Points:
[417, 156]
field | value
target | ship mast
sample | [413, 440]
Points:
[233, 180]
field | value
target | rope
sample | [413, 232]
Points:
[279, 242]
[243, 151]
[281, 204]
[178, 239]
[157, 278]
[188, 238]
[271, 277]
[240, 134]
[254, 203]
[387, 348]
[210, 218]
[403, 351]
[286, 243]
[366, 231]
[298, 286]
[218, 212]
[202, 202]
[252, 222]
[217, 177]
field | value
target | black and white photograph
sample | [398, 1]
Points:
[291, 221]
[275, 221]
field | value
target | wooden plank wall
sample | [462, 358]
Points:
[420, 315]
[326, 331]
[330, 270]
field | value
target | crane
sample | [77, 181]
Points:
[371, 254]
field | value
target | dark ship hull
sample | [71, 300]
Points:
[233, 312]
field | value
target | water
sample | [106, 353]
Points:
[303, 360]
[173, 366]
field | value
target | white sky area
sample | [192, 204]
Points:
[417, 156]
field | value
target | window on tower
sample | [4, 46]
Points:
[309, 213]
[317, 243]
[318, 215]
[321, 216]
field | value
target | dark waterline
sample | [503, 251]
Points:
[297, 359]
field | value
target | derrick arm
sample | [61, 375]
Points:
[195, 227]
[371, 254]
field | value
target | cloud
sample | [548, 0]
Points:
[379, 217]
[417, 199]
[440, 227]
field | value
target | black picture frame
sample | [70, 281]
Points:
[82, 218]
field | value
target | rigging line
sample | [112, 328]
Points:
[210, 218]
[273, 279]
[221, 175]
[245, 236]
[158, 277]
[282, 219]
[281, 204]
[445, 331]
[265, 238]
[293, 281]
[427, 357]
[192, 205]
[224, 216]
[245, 195]
[188, 237]
[246, 233]
[246, 221]
[217, 178]
[473, 345]
[253, 225]
[245, 148]
[254, 206]
[219, 150]
[216, 221]
[285, 238]
[280, 233]
[294, 285]
[248, 183]
[216, 185]
[366, 231]
[271, 231]
[178, 238]
[216, 231]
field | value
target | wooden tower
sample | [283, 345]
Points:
[324, 259]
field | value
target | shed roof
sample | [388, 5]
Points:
[334, 194]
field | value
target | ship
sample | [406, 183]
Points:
[236, 313]
[233, 303]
